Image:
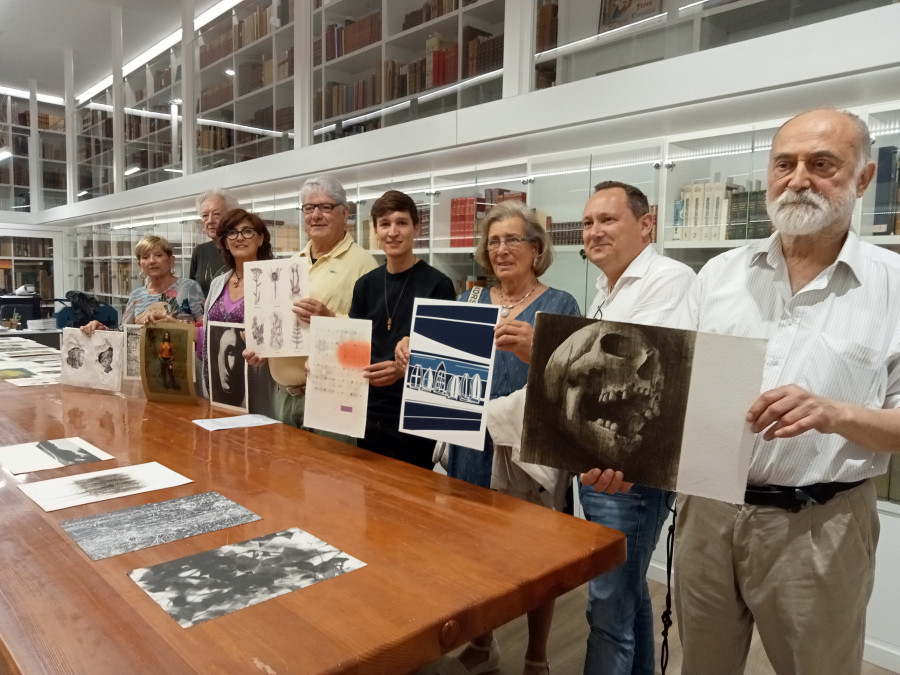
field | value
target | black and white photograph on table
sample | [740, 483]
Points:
[208, 585]
[85, 488]
[49, 454]
[640, 399]
[226, 364]
[448, 379]
[94, 362]
[107, 534]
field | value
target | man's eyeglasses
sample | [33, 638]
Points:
[246, 233]
[512, 243]
[324, 208]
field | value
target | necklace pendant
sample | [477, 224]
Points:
[389, 324]
[504, 311]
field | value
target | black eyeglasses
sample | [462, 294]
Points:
[324, 208]
[246, 233]
[512, 243]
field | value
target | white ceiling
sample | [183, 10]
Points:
[34, 35]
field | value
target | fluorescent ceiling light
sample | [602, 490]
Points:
[134, 168]
[229, 72]
[5, 152]
[174, 170]
[153, 52]
[21, 93]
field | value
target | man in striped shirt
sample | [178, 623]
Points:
[797, 558]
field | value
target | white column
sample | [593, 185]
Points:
[303, 75]
[118, 97]
[518, 47]
[71, 128]
[188, 66]
[35, 179]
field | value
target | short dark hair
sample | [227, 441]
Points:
[230, 221]
[393, 201]
[637, 200]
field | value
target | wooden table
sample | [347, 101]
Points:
[446, 561]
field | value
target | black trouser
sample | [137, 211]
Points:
[383, 438]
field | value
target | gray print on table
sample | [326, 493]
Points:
[211, 584]
[107, 534]
[108, 484]
[276, 337]
[65, 452]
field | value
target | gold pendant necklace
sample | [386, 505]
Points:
[397, 303]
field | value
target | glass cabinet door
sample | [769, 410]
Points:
[881, 203]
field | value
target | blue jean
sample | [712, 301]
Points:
[619, 610]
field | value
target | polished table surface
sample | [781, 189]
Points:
[446, 560]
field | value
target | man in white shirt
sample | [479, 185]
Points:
[797, 558]
[637, 285]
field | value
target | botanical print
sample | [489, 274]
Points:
[272, 287]
[108, 534]
[449, 375]
[208, 585]
[95, 361]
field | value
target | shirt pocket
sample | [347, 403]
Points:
[845, 370]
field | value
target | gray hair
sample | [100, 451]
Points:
[230, 200]
[330, 185]
[532, 230]
[864, 139]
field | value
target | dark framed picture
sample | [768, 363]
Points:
[167, 362]
[227, 368]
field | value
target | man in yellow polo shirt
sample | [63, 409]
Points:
[336, 262]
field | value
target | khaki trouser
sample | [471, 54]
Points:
[804, 578]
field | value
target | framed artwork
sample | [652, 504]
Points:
[94, 362]
[167, 362]
[618, 13]
[227, 368]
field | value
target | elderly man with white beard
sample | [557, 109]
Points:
[797, 558]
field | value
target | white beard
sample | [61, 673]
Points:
[804, 213]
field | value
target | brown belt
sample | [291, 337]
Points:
[294, 390]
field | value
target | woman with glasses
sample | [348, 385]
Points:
[243, 237]
[516, 250]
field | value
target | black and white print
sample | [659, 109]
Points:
[211, 584]
[132, 357]
[95, 361]
[227, 367]
[61, 493]
[108, 534]
[50, 454]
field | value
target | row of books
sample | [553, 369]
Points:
[211, 139]
[718, 211]
[155, 159]
[53, 180]
[162, 78]
[92, 147]
[28, 247]
[254, 26]
[137, 126]
[429, 10]
[485, 54]
[547, 25]
[353, 35]
[886, 218]
[340, 99]
[467, 212]
[218, 94]
[97, 120]
[284, 118]
[45, 120]
[53, 150]
[213, 49]
[441, 61]
[253, 75]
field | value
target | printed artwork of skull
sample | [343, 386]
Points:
[607, 382]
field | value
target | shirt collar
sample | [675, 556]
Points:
[341, 246]
[636, 269]
[769, 252]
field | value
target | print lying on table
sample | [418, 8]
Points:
[27, 457]
[108, 534]
[95, 361]
[664, 406]
[85, 488]
[270, 289]
[448, 378]
[214, 583]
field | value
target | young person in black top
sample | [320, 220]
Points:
[385, 295]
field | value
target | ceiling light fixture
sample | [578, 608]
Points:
[134, 168]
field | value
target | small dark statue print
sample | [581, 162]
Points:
[75, 357]
[105, 359]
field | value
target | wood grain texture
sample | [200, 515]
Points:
[446, 561]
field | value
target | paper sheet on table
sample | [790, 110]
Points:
[84, 488]
[51, 454]
[236, 422]
[448, 380]
[270, 289]
[337, 394]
